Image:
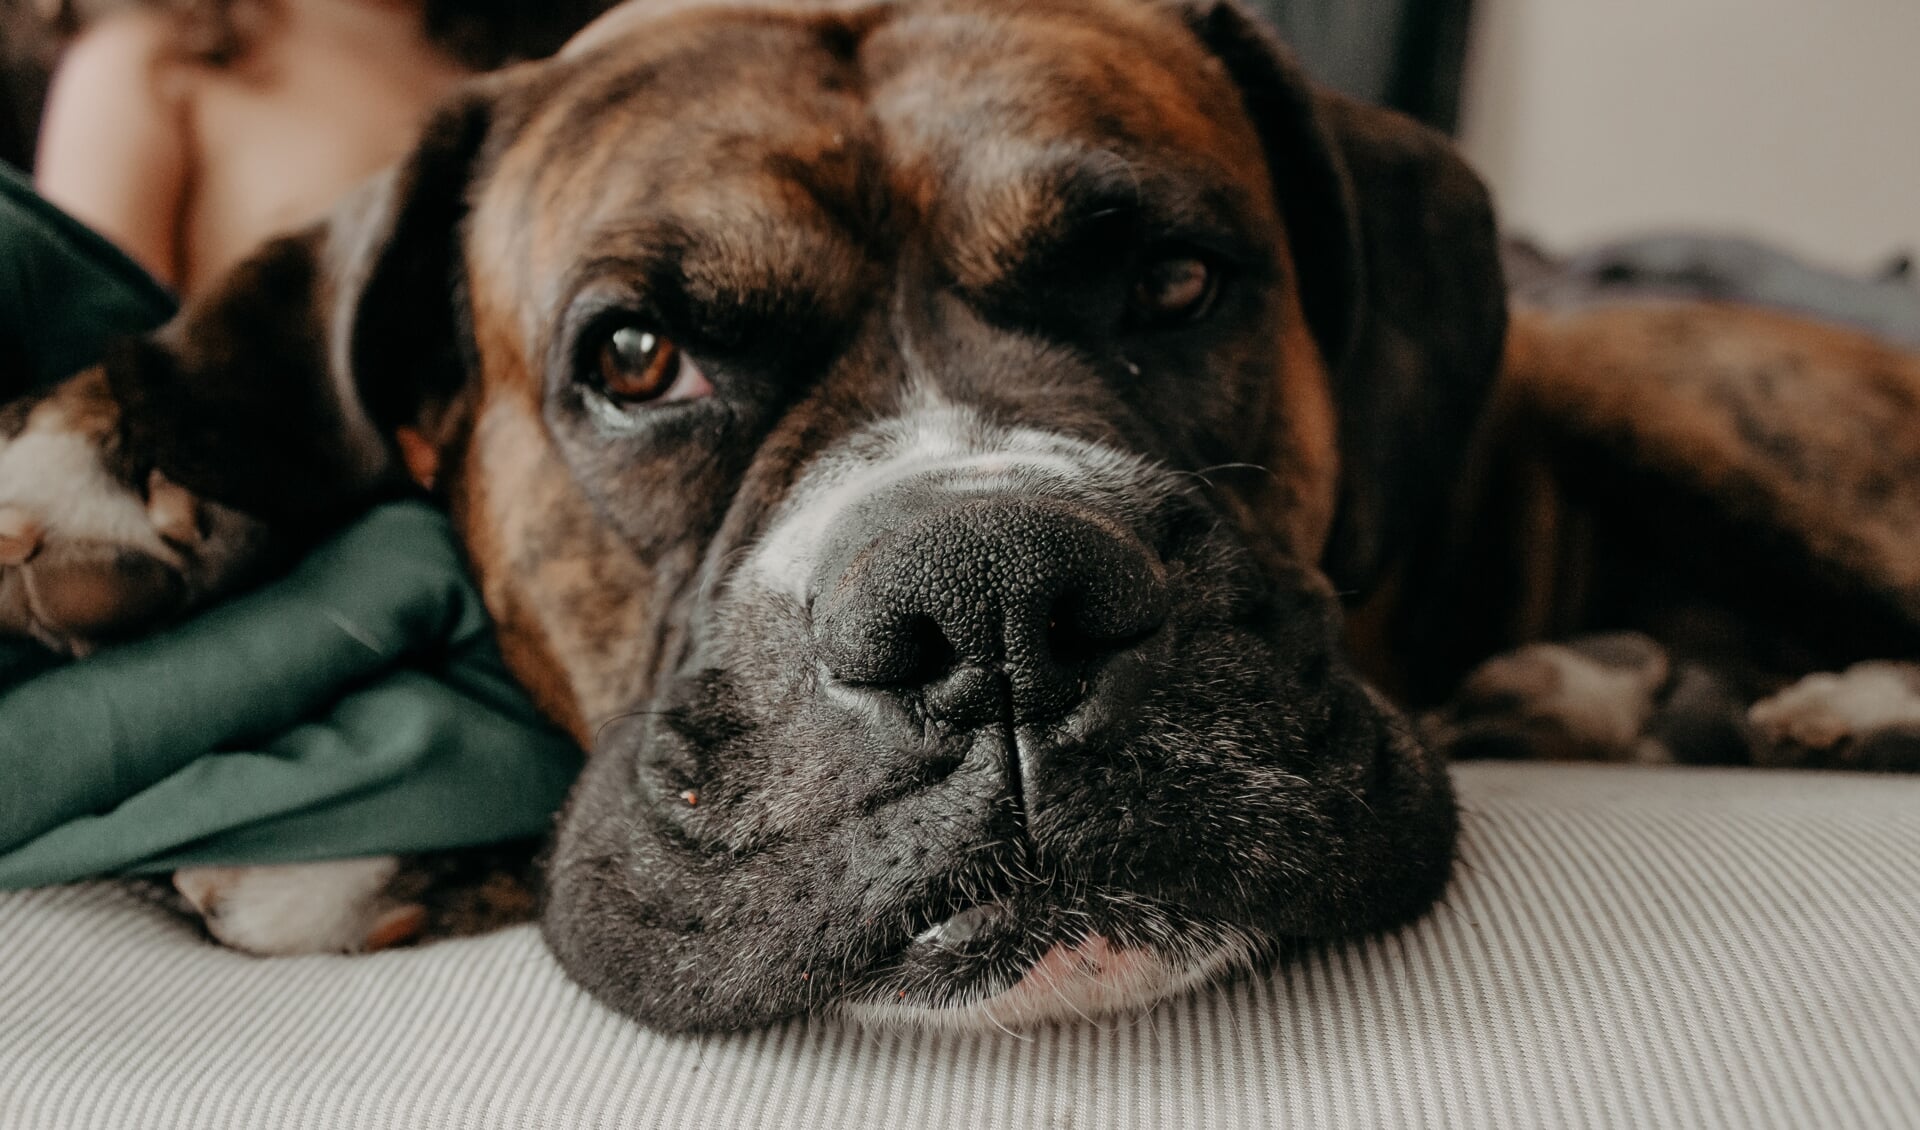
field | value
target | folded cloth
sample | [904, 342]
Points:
[357, 706]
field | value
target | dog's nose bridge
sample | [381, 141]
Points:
[949, 351]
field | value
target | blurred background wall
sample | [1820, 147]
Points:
[1794, 120]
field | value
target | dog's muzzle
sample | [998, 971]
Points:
[987, 726]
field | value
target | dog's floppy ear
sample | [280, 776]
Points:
[278, 392]
[1398, 260]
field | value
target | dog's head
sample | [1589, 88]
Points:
[921, 450]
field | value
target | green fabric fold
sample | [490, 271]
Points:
[358, 706]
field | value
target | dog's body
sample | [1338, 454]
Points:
[939, 438]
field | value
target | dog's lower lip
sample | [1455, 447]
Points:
[963, 927]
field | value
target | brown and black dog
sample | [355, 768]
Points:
[953, 435]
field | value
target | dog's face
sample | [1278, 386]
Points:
[916, 449]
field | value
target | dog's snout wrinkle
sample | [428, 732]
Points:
[969, 696]
[991, 609]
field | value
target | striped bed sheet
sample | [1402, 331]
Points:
[1624, 947]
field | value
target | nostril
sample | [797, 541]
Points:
[1069, 643]
[881, 651]
[1076, 635]
[926, 653]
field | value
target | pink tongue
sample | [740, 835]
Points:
[1093, 959]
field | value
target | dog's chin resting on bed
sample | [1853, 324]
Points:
[963, 469]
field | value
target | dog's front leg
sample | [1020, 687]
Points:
[1624, 697]
[363, 905]
[93, 548]
[335, 906]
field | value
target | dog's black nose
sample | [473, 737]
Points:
[993, 609]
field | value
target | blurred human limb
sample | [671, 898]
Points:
[188, 137]
[114, 144]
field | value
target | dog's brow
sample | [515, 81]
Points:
[733, 273]
[1001, 231]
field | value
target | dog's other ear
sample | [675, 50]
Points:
[280, 390]
[1393, 237]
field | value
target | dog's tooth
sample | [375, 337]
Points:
[20, 535]
[962, 927]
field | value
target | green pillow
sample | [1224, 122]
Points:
[357, 706]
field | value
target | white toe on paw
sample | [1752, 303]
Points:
[174, 511]
[338, 906]
[1597, 694]
[20, 535]
[1826, 712]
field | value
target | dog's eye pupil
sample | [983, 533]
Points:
[637, 364]
[1173, 290]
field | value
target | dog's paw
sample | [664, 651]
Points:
[1615, 697]
[339, 906]
[1866, 717]
[93, 550]
[1588, 700]
[363, 905]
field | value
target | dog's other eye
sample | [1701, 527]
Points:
[638, 365]
[1173, 291]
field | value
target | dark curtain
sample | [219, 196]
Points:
[1407, 54]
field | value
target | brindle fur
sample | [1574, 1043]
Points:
[1741, 485]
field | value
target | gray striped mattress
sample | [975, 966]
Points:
[1624, 947]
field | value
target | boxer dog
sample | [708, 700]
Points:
[928, 453]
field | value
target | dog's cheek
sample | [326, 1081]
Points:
[1398, 822]
[1328, 813]
[685, 933]
[747, 853]
[749, 759]
[667, 484]
[1310, 789]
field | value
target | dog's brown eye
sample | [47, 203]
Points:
[637, 365]
[1176, 289]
